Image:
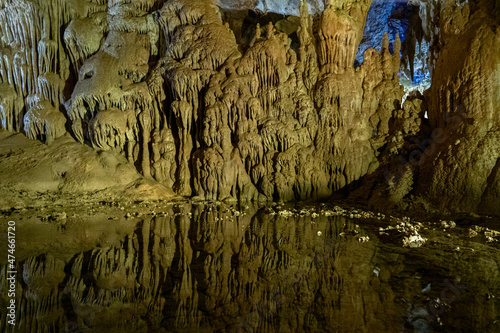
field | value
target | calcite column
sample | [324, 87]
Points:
[460, 170]
[340, 32]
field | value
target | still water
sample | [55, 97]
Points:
[220, 268]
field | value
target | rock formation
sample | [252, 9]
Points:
[273, 123]
[450, 161]
[278, 111]
[461, 170]
[34, 67]
[284, 7]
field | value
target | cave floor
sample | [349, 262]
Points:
[198, 266]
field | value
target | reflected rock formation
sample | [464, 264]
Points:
[212, 268]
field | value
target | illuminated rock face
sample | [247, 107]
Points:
[462, 169]
[33, 67]
[269, 123]
[284, 7]
[283, 115]
[274, 123]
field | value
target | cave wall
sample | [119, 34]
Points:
[34, 67]
[271, 122]
[461, 167]
[280, 114]
[284, 7]
[449, 162]
[166, 84]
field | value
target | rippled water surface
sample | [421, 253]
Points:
[221, 268]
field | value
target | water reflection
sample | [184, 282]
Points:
[205, 268]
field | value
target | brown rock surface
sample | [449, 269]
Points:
[461, 172]
[66, 169]
[273, 112]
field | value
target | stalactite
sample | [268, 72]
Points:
[31, 54]
[277, 76]
[340, 34]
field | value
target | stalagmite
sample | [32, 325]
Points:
[44, 122]
[11, 108]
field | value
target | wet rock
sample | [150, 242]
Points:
[259, 110]
[415, 240]
[363, 239]
[448, 224]
[462, 149]
[472, 233]
[58, 216]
